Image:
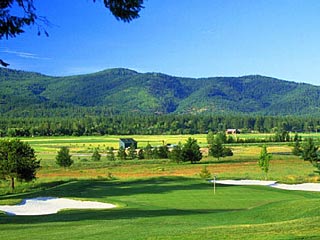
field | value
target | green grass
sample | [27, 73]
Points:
[171, 208]
[154, 203]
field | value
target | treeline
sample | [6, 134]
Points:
[152, 124]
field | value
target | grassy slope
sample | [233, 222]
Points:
[173, 208]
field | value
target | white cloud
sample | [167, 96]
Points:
[24, 54]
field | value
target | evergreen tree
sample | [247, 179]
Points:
[176, 153]
[221, 137]
[110, 154]
[96, 156]
[148, 151]
[17, 161]
[122, 153]
[191, 151]
[140, 154]
[210, 137]
[297, 151]
[132, 152]
[163, 151]
[310, 153]
[217, 150]
[63, 159]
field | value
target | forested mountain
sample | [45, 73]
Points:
[117, 91]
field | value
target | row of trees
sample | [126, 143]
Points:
[190, 151]
[152, 124]
[279, 136]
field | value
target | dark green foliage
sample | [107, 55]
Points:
[17, 160]
[264, 161]
[210, 137]
[94, 124]
[122, 155]
[217, 150]
[191, 151]
[125, 10]
[96, 156]
[310, 153]
[110, 154]
[163, 152]
[221, 137]
[176, 153]
[148, 153]
[227, 152]
[12, 24]
[282, 136]
[297, 151]
[140, 154]
[63, 158]
[132, 153]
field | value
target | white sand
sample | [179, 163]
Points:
[315, 187]
[246, 182]
[45, 206]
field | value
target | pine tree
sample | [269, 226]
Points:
[110, 154]
[310, 153]
[132, 152]
[96, 156]
[217, 150]
[297, 151]
[140, 154]
[122, 153]
[148, 151]
[17, 161]
[63, 159]
[191, 151]
[176, 153]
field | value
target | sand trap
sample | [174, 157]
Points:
[45, 206]
[246, 182]
[314, 187]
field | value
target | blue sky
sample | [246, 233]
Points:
[192, 38]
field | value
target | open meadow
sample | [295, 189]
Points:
[160, 199]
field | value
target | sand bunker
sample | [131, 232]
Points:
[45, 206]
[314, 187]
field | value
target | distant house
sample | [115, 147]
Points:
[232, 131]
[128, 142]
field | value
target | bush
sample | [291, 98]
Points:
[205, 174]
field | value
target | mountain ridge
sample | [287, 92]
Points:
[121, 90]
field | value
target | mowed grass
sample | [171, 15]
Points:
[160, 199]
[171, 208]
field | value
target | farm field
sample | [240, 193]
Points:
[284, 166]
[160, 199]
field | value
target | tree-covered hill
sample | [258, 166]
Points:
[126, 91]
